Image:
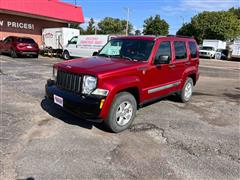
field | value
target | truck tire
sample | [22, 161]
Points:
[122, 112]
[66, 55]
[13, 53]
[186, 93]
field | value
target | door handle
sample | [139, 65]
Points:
[187, 63]
[172, 65]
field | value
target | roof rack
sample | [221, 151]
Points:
[180, 36]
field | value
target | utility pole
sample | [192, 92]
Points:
[128, 12]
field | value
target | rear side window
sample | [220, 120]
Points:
[193, 49]
[164, 49]
[26, 40]
[180, 50]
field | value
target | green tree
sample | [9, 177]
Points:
[137, 32]
[155, 26]
[113, 26]
[90, 27]
[220, 25]
[235, 11]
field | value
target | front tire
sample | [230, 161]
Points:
[66, 55]
[186, 92]
[122, 112]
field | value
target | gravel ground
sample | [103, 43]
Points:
[168, 139]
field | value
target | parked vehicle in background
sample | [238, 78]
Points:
[125, 74]
[221, 54]
[54, 39]
[16, 46]
[235, 47]
[84, 45]
[209, 47]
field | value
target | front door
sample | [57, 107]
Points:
[160, 79]
[72, 46]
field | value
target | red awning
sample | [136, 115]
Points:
[52, 9]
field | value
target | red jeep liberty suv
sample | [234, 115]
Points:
[125, 74]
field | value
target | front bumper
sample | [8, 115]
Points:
[86, 107]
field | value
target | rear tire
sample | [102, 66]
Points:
[13, 54]
[66, 55]
[122, 112]
[186, 93]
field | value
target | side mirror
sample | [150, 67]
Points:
[161, 60]
[95, 53]
[69, 41]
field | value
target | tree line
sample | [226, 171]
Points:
[222, 25]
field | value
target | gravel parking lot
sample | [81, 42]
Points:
[168, 139]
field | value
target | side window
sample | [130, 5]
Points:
[193, 49]
[7, 40]
[180, 50]
[164, 49]
[73, 40]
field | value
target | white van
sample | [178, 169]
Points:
[84, 45]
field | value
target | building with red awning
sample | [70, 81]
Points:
[28, 18]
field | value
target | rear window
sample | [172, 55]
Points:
[193, 49]
[26, 40]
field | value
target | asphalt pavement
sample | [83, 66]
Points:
[168, 139]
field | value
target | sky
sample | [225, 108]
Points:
[174, 12]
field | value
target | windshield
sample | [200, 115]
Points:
[26, 40]
[132, 49]
[208, 48]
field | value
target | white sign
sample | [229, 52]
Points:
[18, 25]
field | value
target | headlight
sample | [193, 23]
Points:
[89, 84]
[54, 75]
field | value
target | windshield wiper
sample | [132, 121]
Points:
[124, 57]
[104, 55]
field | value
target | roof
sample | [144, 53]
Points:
[51, 9]
[150, 38]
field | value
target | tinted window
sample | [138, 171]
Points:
[193, 49]
[8, 40]
[135, 49]
[164, 49]
[180, 50]
[26, 40]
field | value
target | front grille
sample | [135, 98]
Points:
[69, 81]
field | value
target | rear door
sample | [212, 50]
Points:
[180, 60]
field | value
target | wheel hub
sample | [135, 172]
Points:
[124, 113]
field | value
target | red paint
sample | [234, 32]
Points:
[53, 9]
[118, 74]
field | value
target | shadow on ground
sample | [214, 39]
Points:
[59, 113]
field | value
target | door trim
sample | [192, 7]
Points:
[160, 88]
